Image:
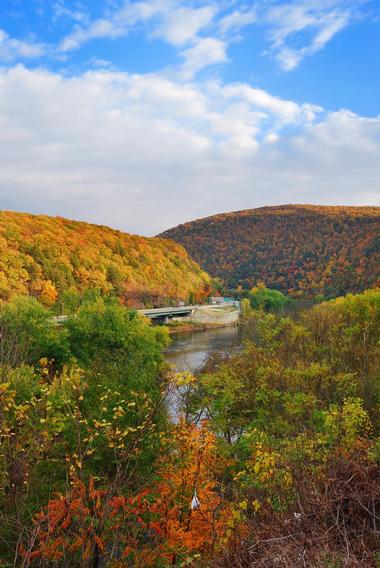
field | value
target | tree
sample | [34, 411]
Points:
[49, 294]
[33, 331]
[270, 300]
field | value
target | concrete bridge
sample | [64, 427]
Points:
[169, 313]
[153, 314]
[206, 313]
[227, 313]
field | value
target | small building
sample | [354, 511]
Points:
[220, 300]
[216, 300]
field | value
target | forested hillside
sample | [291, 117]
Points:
[303, 250]
[50, 257]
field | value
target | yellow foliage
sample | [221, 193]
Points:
[49, 294]
[48, 256]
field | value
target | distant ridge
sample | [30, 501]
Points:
[47, 256]
[303, 250]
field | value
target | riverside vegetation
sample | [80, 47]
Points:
[275, 462]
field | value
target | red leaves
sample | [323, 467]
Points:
[128, 551]
[71, 524]
[88, 522]
[66, 523]
[192, 468]
[98, 541]
[157, 527]
[84, 522]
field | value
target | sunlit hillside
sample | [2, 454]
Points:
[45, 257]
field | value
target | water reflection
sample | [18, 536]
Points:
[190, 350]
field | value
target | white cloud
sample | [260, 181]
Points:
[61, 10]
[304, 27]
[286, 111]
[236, 20]
[176, 24]
[290, 58]
[203, 53]
[11, 48]
[204, 29]
[101, 28]
[118, 24]
[143, 153]
[183, 24]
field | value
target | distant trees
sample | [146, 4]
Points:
[299, 250]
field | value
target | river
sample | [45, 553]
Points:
[190, 350]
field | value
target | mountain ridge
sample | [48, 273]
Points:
[303, 250]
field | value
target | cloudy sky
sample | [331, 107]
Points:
[144, 114]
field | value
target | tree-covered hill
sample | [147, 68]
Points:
[48, 257]
[303, 250]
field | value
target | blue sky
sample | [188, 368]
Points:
[145, 114]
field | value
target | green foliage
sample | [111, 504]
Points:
[315, 377]
[116, 344]
[290, 446]
[79, 400]
[261, 297]
[28, 332]
[245, 307]
[69, 301]
[348, 422]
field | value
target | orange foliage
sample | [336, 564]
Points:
[49, 294]
[47, 256]
[181, 514]
[89, 524]
[303, 250]
[191, 513]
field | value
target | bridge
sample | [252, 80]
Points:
[169, 312]
[165, 314]
[205, 313]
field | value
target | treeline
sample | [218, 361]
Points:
[56, 260]
[274, 461]
[301, 250]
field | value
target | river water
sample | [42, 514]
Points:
[190, 350]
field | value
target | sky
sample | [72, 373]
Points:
[142, 115]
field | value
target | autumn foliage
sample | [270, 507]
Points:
[87, 525]
[302, 250]
[193, 516]
[274, 460]
[159, 524]
[51, 258]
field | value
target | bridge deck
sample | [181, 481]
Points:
[166, 312]
[155, 313]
